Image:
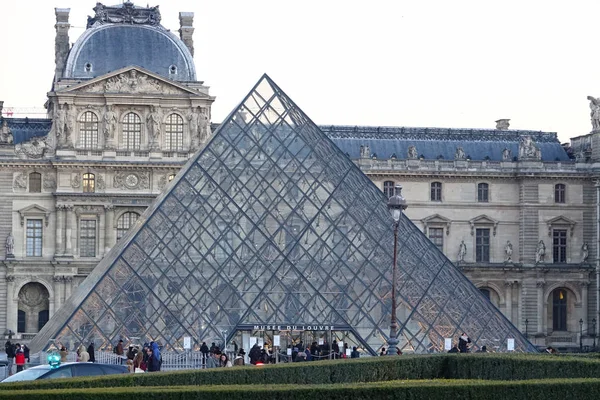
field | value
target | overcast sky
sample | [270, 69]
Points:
[403, 63]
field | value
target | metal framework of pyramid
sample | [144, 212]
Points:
[271, 224]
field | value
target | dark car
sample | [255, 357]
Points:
[66, 370]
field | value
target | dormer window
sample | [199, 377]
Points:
[173, 70]
[87, 67]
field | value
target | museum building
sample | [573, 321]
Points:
[514, 210]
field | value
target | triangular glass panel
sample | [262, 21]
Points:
[271, 225]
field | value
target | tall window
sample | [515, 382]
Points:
[125, 222]
[89, 183]
[436, 235]
[388, 188]
[87, 238]
[174, 133]
[482, 245]
[483, 193]
[88, 130]
[21, 321]
[132, 132]
[559, 245]
[43, 317]
[559, 193]
[35, 182]
[34, 238]
[559, 310]
[436, 191]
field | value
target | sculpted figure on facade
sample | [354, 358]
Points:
[10, 244]
[194, 120]
[203, 125]
[540, 254]
[70, 128]
[6, 136]
[460, 154]
[585, 252]
[412, 153]
[34, 148]
[365, 151]
[506, 155]
[20, 181]
[508, 251]
[60, 124]
[49, 181]
[131, 82]
[462, 251]
[110, 126]
[154, 121]
[528, 150]
[594, 112]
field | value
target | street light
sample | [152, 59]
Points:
[526, 332]
[580, 334]
[396, 204]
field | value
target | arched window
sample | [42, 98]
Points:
[559, 193]
[125, 222]
[89, 183]
[436, 191]
[43, 317]
[174, 133]
[388, 188]
[485, 292]
[35, 182]
[559, 310]
[483, 193]
[88, 130]
[132, 132]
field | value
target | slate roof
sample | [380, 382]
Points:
[24, 129]
[431, 143]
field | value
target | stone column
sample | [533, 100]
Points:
[584, 305]
[109, 227]
[57, 290]
[70, 226]
[68, 285]
[60, 230]
[11, 306]
[509, 289]
[101, 237]
[540, 306]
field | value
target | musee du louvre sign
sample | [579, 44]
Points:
[286, 327]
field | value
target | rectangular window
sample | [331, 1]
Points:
[436, 235]
[559, 245]
[87, 238]
[483, 193]
[436, 191]
[482, 245]
[34, 238]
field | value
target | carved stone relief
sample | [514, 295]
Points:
[6, 136]
[131, 180]
[35, 148]
[528, 150]
[162, 182]
[132, 82]
[49, 181]
[76, 180]
[100, 184]
[20, 181]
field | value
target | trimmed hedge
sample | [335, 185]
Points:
[376, 369]
[403, 390]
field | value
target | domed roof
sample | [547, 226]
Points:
[126, 35]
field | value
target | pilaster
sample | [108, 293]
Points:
[109, 234]
[70, 229]
[11, 304]
[509, 289]
[540, 306]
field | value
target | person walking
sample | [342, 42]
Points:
[19, 358]
[92, 352]
[10, 356]
[463, 342]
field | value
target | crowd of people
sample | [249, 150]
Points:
[146, 359]
[16, 355]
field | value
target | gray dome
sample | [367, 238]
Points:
[109, 47]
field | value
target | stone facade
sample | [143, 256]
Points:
[117, 140]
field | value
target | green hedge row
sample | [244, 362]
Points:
[376, 369]
[402, 390]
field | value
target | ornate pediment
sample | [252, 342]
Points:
[34, 210]
[437, 220]
[483, 220]
[561, 222]
[133, 81]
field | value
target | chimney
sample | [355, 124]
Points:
[61, 43]
[186, 29]
[502, 124]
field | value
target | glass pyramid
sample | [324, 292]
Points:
[271, 227]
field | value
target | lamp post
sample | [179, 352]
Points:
[526, 331]
[396, 204]
[580, 334]
[594, 331]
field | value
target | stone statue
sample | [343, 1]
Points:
[586, 252]
[460, 154]
[462, 251]
[503, 124]
[365, 151]
[412, 153]
[528, 149]
[10, 244]
[506, 155]
[194, 119]
[60, 123]
[110, 123]
[508, 251]
[594, 112]
[35, 147]
[203, 125]
[540, 254]
[154, 121]
[71, 118]
[6, 136]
